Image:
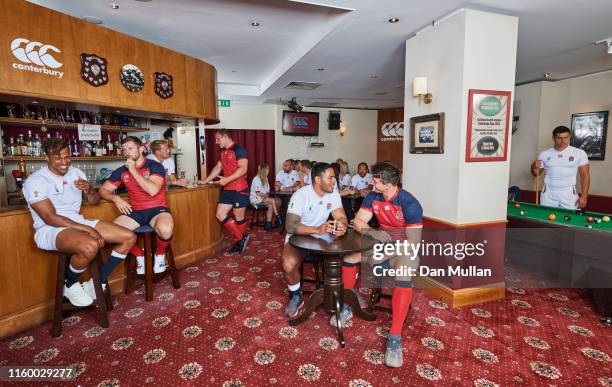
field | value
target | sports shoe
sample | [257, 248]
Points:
[345, 314]
[394, 356]
[89, 289]
[159, 263]
[293, 307]
[268, 226]
[140, 265]
[76, 295]
[243, 243]
[235, 248]
[279, 220]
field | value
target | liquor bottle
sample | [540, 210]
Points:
[86, 148]
[30, 144]
[23, 145]
[118, 151]
[109, 146]
[74, 150]
[99, 149]
[12, 147]
[37, 146]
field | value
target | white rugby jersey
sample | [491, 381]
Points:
[561, 167]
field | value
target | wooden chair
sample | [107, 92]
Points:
[255, 214]
[146, 237]
[102, 302]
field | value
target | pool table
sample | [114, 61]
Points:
[565, 252]
[538, 216]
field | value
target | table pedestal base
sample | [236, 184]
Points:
[332, 296]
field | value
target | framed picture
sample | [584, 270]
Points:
[427, 134]
[589, 133]
[488, 125]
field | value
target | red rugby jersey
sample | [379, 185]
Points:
[401, 211]
[229, 161]
[139, 198]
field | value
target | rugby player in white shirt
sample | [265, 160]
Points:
[307, 214]
[288, 179]
[560, 165]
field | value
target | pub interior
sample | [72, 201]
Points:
[353, 193]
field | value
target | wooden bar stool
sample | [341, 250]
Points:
[146, 235]
[255, 212]
[103, 300]
[318, 279]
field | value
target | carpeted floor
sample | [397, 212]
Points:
[225, 327]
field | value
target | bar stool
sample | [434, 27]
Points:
[255, 212]
[103, 300]
[146, 235]
[315, 260]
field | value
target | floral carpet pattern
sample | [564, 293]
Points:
[225, 327]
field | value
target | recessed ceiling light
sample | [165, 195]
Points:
[92, 19]
[393, 20]
[381, 93]
[115, 6]
[320, 69]
[373, 76]
[34, 102]
[117, 111]
[255, 23]
[143, 1]
[234, 71]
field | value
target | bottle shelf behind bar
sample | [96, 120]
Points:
[73, 158]
[54, 124]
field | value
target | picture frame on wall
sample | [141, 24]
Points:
[588, 132]
[427, 133]
[488, 124]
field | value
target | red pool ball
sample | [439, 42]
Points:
[552, 217]
[517, 205]
[590, 219]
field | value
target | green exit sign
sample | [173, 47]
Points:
[224, 102]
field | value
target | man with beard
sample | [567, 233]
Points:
[145, 181]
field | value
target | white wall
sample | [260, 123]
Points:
[357, 145]
[469, 50]
[555, 103]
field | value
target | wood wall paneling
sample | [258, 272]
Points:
[389, 150]
[194, 81]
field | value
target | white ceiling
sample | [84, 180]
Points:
[362, 54]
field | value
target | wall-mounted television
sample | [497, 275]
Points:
[300, 123]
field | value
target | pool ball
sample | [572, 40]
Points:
[517, 205]
[598, 220]
[589, 226]
[522, 212]
[606, 218]
[580, 212]
[590, 219]
[552, 217]
[567, 217]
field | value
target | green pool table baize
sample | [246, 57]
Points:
[564, 217]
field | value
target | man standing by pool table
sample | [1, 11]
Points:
[560, 164]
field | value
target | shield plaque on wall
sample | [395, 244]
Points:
[163, 85]
[93, 69]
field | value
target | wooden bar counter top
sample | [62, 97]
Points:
[28, 274]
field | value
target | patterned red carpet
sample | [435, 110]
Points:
[224, 327]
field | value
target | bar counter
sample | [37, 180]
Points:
[28, 274]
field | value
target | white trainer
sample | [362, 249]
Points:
[140, 266]
[89, 289]
[76, 295]
[159, 264]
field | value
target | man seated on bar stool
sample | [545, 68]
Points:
[145, 181]
[400, 217]
[304, 172]
[54, 194]
[160, 152]
[287, 180]
[308, 214]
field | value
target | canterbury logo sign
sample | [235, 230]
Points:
[392, 131]
[36, 57]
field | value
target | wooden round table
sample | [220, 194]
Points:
[333, 295]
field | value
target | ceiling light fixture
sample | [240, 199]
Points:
[373, 76]
[320, 69]
[607, 42]
[255, 23]
[92, 19]
[115, 6]
[393, 20]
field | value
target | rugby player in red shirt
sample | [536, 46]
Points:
[145, 181]
[400, 217]
[236, 191]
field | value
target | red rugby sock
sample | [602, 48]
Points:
[400, 302]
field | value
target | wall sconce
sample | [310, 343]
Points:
[342, 128]
[419, 89]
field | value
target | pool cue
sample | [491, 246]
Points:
[536, 186]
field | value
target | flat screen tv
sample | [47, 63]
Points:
[300, 123]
